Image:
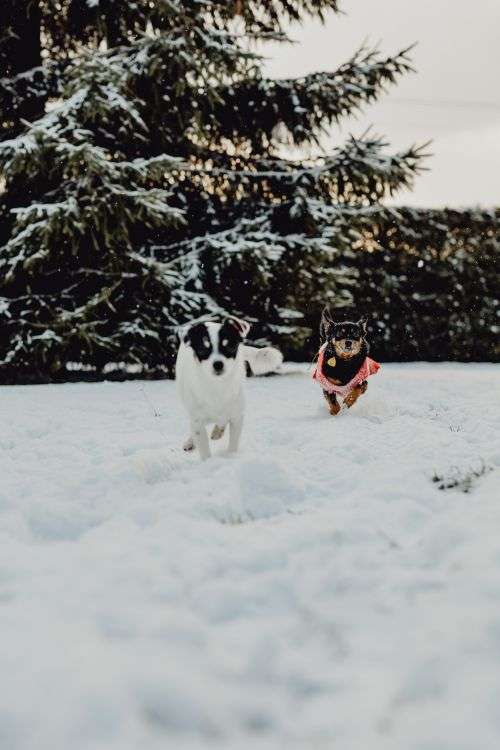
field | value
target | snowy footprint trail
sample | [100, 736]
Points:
[316, 591]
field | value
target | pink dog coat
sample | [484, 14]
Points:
[369, 367]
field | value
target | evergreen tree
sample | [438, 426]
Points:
[156, 189]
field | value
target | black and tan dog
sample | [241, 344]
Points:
[343, 364]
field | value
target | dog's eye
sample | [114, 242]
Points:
[225, 342]
[206, 343]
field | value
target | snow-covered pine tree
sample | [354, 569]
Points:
[157, 190]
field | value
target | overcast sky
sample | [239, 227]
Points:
[453, 99]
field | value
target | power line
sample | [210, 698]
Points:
[452, 103]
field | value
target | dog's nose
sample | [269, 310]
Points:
[348, 344]
[218, 366]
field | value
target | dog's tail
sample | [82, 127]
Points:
[263, 360]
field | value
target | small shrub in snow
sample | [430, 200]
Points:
[459, 478]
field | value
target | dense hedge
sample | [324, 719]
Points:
[428, 281]
[431, 286]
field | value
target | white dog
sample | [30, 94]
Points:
[210, 371]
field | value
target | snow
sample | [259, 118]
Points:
[316, 591]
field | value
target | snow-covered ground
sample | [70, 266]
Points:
[318, 591]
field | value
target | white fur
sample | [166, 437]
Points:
[217, 399]
[262, 360]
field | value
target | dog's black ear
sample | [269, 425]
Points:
[187, 332]
[362, 323]
[242, 326]
[326, 315]
[184, 334]
[326, 323]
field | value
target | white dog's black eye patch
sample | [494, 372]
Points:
[199, 340]
[229, 339]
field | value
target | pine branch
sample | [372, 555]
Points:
[360, 171]
[306, 107]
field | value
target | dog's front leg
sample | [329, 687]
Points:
[200, 439]
[332, 402]
[235, 428]
[356, 392]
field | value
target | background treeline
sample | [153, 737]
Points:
[146, 180]
[427, 280]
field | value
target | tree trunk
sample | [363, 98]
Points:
[25, 23]
[114, 35]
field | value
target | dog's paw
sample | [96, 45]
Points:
[188, 445]
[351, 399]
[334, 409]
[217, 432]
[356, 392]
[353, 396]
